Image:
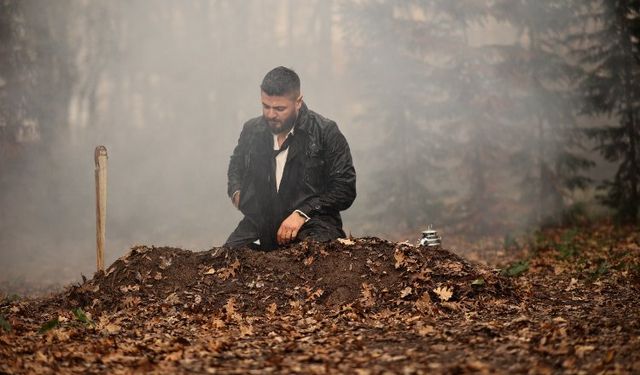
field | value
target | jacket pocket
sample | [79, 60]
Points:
[314, 169]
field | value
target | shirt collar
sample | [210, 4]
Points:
[275, 139]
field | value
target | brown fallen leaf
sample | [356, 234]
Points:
[225, 273]
[172, 299]
[175, 356]
[368, 298]
[218, 323]
[399, 257]
[308, 261]
[346, 241]
[112, 328]
[272, 308]
[424, 303]
[246, 330]
[453, 267]
[406, 292]
[424, 330]
[130, 301]
[230, 309]
[611, 354]
[315, 295]
[453, 306]
[130, 288]
[444, 293]
[581, 350]
[217, 345]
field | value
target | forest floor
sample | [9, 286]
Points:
[570, 304]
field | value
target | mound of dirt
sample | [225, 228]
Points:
[363, 306]
[367, 273]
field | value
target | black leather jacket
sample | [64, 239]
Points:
[319, 178]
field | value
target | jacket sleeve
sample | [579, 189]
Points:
[341, 177]
[238, 162]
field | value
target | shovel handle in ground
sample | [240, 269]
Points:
[101, 204]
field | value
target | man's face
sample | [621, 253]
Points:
[280, 111]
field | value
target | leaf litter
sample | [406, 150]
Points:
[362, 306]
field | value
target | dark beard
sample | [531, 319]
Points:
[286, 126]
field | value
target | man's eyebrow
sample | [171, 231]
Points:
[275, 106]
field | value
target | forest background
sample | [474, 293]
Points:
[485, 118]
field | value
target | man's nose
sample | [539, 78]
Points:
[271, 114]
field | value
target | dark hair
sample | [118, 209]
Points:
[281, 81]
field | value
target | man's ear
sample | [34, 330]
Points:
[299, 103]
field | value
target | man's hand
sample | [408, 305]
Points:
[289, 228]
[236, 199]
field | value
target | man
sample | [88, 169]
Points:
[291, 173]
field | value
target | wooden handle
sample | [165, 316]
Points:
[101, 204]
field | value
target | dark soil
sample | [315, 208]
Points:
[327, 275]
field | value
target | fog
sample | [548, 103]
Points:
[167, 85]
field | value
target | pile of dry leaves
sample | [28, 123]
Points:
[348, 306]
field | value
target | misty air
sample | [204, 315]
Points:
[320, 186]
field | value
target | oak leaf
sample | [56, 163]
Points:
[399, 258]
[406, 292]
[444, 293]
[271, 310]
[246, 330]
[129, 288]
[308, 261]
[112, 328]
[425, 330]
[424, 304]
[217, 345]
[346, 241]
[165, 263]
[172, 299]
[230, 271]
[315, 295]
[367, 295]
[218, 323]
[173, 356]
[130, 301]
[581, 350]
[230, 307]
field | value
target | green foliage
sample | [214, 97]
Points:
[504, 113]
[11, 298]
[567, 247]
[398, 89]
[510, 242]
[49, 325]
[539, 241]
[478, 282]
[547, 160]
[516, 269]
[4, 324]
[600, 271]
[576, 214]
[611, 87]
[82, 317]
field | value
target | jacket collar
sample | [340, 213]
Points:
[302, 122]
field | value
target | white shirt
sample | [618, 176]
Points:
[281, 161]
[281, 158]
